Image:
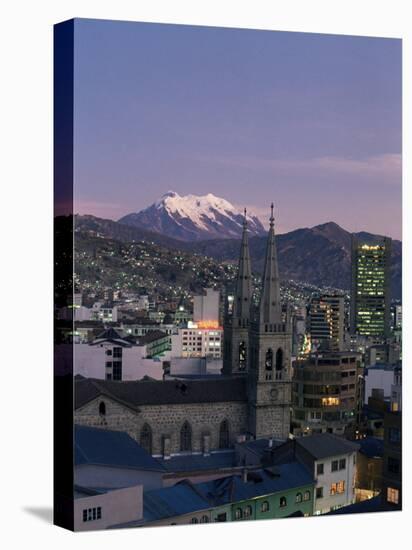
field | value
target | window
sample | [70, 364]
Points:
[279, 360]
[306, 495]
[117, 370]
[194, 520]
[221, 517]
[146, 438]
[108, 364]
[319, 492]
[108, 376]
[238, 513]
[264, 507]
[335, 465]
[269, 360]
[319, 469]
[117, 352]
[298, 497]
[242, 356]
[394, 435]
[248, 512]
[393, 465]
[186, 437]
[102, 408]
[204, 519]
[283, 502]
[392, 495]
[92, 514]
[224, 435]
[108, 352]
[342, 463]
[337, 488]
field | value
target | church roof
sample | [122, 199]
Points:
[155, 392]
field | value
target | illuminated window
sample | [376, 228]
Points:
[337, 488]
[330, 401]
[392, 495]
[283, 502]
[298, 497]
[306, 495]
[238, 513]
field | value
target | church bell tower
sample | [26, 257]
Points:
[270, 343]
[236, 326]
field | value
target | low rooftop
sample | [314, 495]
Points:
[103, 447]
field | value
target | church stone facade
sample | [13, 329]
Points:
[251, 399]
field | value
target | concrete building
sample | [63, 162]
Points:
[106, 508]
[379, 377]
[370, 292]
[327, 393]
[198, 340]
[326, 322]
[112, 357]
[206, 306]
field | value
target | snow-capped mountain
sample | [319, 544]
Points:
[193, 218]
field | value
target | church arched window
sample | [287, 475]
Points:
[242, 356]
[146, 438]
[102, 408]
[279, 359]
[186, 437]
[269, 359]
[224, 435]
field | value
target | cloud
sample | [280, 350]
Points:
[387, 167]
[100, 209]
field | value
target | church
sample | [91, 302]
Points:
[250, 400]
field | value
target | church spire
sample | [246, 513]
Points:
[243, 296]
[270, 307]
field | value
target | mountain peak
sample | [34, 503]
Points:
[194, 217]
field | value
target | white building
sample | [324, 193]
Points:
[206, 306]
[200, 339]
[379, 377]
[111, 357]
[332, 460]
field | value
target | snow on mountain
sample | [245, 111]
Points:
[193, 218]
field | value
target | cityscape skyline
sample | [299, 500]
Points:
[308, 120]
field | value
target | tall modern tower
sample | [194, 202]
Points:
[269, 375]
[370, 293]
[236, 327]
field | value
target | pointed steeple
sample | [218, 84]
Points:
[270, 310]
[243, 296]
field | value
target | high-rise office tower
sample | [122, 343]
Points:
[326, 321]
[370, 292]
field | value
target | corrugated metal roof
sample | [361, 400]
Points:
[186, 497]
[109, 448]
